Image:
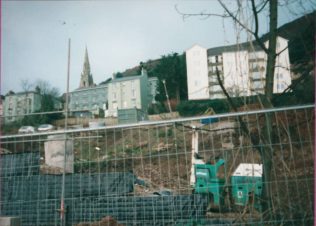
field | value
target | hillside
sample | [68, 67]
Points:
[300, 34]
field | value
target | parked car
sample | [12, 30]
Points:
[45, 127]
[96, 124]
[26, 129]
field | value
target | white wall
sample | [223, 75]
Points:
[282, 74]
[197, 73]
[236, 72]
[124, 94]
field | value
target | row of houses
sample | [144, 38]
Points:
[14, 106]
[133, 92]
[241, 68]
[91, 100]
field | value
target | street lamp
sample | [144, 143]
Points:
[164, 84]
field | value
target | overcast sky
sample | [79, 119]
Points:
[118, 35]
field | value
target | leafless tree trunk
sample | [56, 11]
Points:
[264, 142]
[267, 151]
[265, 148]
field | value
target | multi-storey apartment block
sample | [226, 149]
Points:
[241, 68]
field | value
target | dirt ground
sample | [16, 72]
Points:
[106, 221]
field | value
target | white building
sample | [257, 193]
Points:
[129, 92]
[241, 68]
[17, 105]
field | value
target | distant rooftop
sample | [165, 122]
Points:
[233, 48]
[91, 87]
[21, 93]
[250, 46]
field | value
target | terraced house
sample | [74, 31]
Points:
[241, 68]
[16, 105]
[130, 92]
[91, 100]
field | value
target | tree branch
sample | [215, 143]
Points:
[277, 54]
[232, 104]
[235, 18]
[263, 6]
[255, 14]
[201, 14]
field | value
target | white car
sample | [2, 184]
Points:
[27, 129]
[45, 127]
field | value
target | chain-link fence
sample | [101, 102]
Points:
[193, 171]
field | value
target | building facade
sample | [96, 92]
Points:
[16, 105]
[1, 106]
[152, 89]
[129, 92]
[118, 93]
[241, 69]
[89, 102]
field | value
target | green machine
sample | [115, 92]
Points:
[246, 183]
[208, 182]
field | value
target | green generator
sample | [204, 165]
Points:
[246, 184]
[208, 182]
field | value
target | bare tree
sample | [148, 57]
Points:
[45, 88]
[26, 85]
[263, 142]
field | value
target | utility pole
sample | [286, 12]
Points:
[62, 201]
[164, 84]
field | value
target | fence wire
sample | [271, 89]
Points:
[139, 174]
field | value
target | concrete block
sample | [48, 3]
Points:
[10, 221]
[54, 152]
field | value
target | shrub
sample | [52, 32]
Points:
[190, 108]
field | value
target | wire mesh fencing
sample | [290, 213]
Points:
[241, 168]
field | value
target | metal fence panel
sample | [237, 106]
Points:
[139, 174]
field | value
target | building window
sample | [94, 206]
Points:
[280, 86]
[213, 59]
[114, 95]
[280, 76]
[256, 75]
[133, 93]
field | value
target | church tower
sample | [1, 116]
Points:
[86, 76]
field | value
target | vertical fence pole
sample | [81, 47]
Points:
[62, 201]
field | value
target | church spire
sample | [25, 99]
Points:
[86, 76]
